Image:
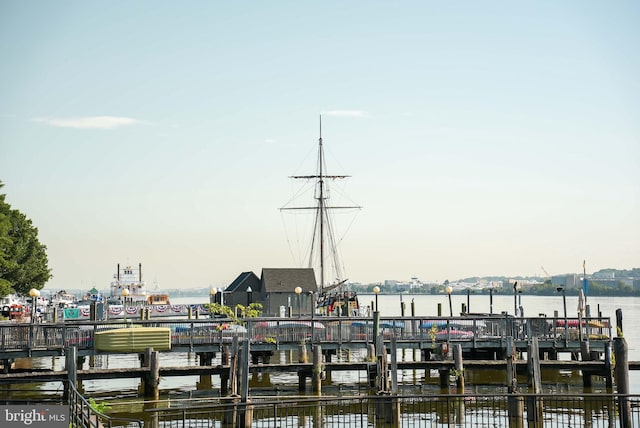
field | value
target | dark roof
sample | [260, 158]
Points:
[287, 279]
[244, 280]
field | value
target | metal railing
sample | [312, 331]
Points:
[82, 414]
[58, 336]
[427, 411]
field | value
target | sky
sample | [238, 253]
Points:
[482, 138]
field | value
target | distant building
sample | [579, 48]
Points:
[566, 281]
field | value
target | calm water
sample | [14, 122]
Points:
[345, 383]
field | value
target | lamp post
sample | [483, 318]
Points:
[564, 303]
[34, 293]
[449, 290]
[212, 295]
[249, 291]
[298, 290]
[376, 290]
[125, 294]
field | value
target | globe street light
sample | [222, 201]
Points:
[34, 293]
[212, 295]
[298, 290]
[449, 290]
[376, 290]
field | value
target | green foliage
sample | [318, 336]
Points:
[218, 309]
[432, 334]
[23, 259]
[254, 310]
[99, 407]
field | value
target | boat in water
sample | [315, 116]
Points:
[128, 285]
[136, 293]
[333, 295]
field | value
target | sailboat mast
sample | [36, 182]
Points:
[321, 205]
[322, 224]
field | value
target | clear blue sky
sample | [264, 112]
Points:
[484, 138]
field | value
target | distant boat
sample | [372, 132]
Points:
[130, 280]
[63, 299]
[333, 296]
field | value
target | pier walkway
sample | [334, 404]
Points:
[481, 337]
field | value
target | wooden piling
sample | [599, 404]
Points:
[535, 404]
[608, 368]
[316, 378]
[206, 359]
[459, 368]
[233, 363]
[585, 354]
[151, 381]
[302, 353]
[515, 405]
[621, 349]
[72, 376]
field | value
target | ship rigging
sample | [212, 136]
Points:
[323, 252]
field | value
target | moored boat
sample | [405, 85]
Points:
[333, 294]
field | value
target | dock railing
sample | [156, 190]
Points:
[417, 411]
[82, 414]
[55, 337]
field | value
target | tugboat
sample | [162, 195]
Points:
[334, 296]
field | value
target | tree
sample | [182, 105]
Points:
[23, 259]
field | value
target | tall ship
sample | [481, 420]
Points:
[333, 294]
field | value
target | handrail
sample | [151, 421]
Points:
[192, 333]
[83, 415]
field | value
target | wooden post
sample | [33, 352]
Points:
[444, 378]
[70, 364]
[619, 321]
[459, 371]
[394, 365]
[233, 379]
[620, 349]
[608, 369]
[535, 405]
[515, 406]
[382, 373]
[316, 378]
[586, 356]
[206, 359]
[457, 357]
[152, 380]
[302, 353]
[439, 309]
